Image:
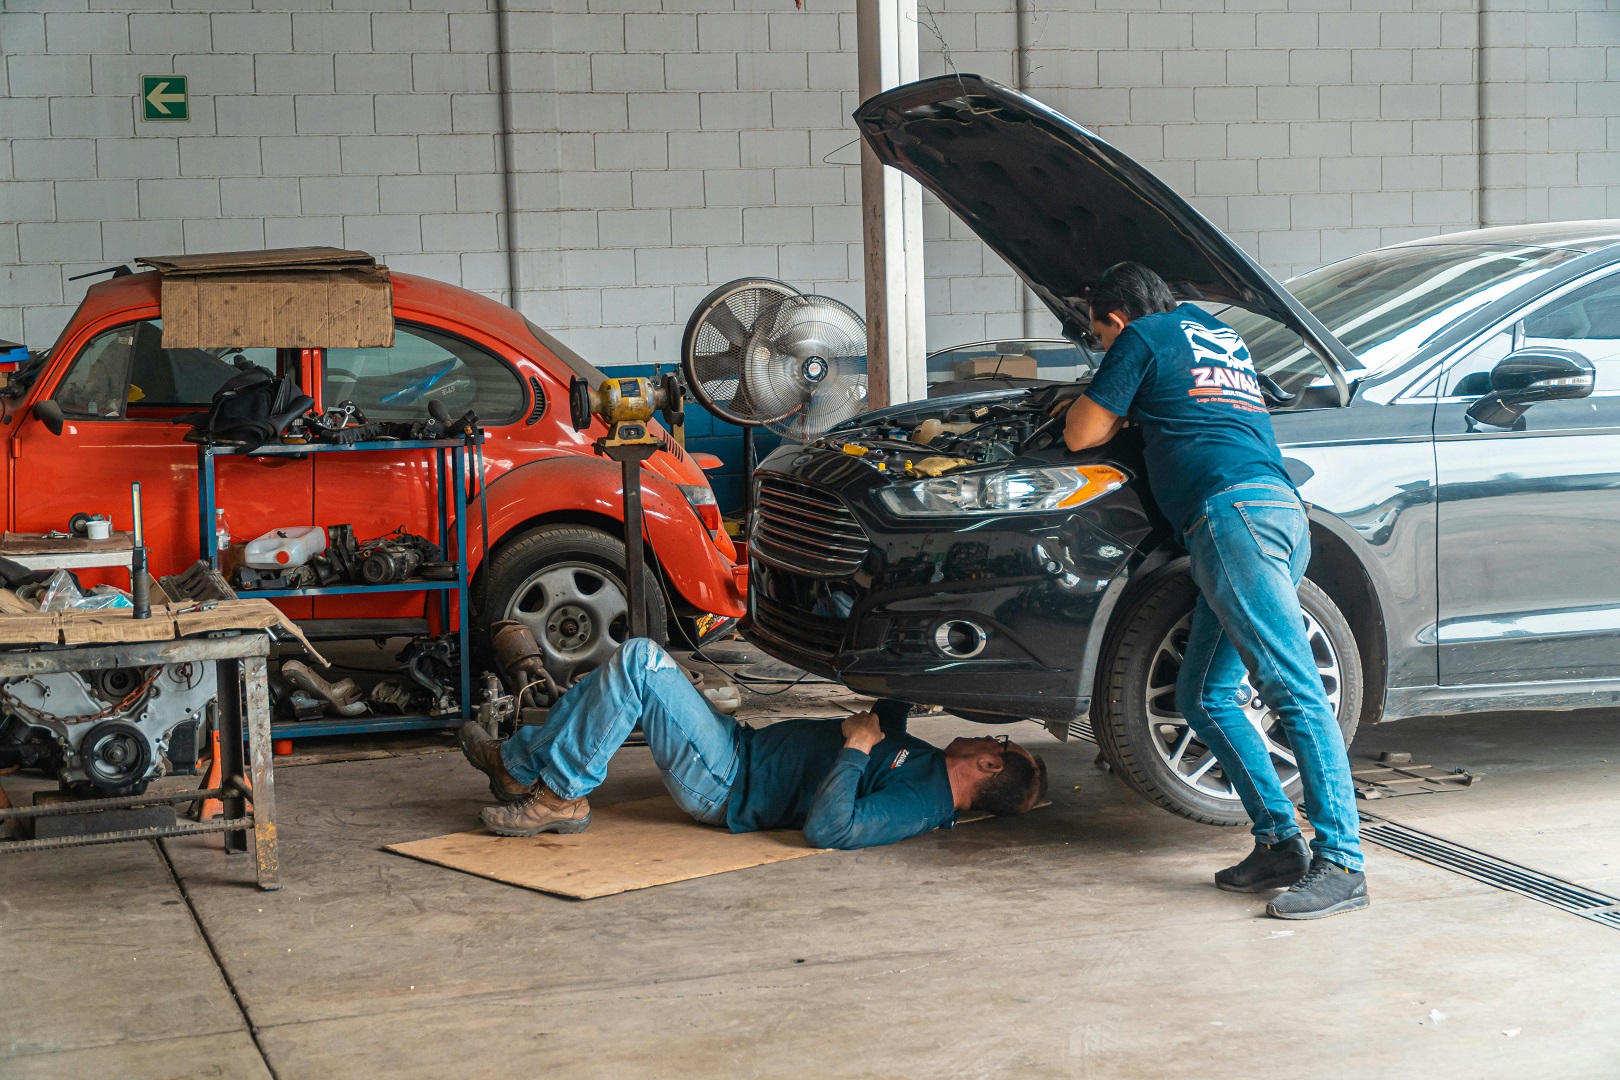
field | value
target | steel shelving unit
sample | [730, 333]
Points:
[451, 487]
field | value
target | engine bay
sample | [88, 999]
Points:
[976, 432]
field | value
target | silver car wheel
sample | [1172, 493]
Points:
[1188, 758]
[578, 614]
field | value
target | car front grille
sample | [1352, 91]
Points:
[817, 636]
[805, 529]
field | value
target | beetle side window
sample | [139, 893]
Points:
[125, 372]
[423, 365]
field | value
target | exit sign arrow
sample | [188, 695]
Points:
[164, 97]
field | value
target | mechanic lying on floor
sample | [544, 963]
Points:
[850, 783]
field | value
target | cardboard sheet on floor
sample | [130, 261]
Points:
[629, 846]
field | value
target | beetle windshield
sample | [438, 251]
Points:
[1384, 304]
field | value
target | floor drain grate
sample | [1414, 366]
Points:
[1499, 873]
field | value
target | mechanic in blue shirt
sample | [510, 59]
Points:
[1214, 468]
[848, 783]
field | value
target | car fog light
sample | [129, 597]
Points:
[960, 638]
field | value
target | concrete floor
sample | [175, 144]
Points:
[1082, 940]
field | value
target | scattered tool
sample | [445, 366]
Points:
[1396, 775]
[139, 585]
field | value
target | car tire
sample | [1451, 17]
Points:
[567, 583]
[1134, 717]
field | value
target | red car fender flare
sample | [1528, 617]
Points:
[575, 484]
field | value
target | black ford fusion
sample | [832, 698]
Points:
[1449, 410]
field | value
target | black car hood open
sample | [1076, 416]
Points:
[1060, 205]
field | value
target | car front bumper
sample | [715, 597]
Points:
[843, 589]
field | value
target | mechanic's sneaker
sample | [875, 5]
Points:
[485, 755]
[1268, 866]
[1326, 889]
[544, 811]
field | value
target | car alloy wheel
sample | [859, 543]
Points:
[566, 583]
[577, 613]
[1143, 735]
[1184, 754]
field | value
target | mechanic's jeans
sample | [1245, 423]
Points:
[1249, 551]
[694, 747]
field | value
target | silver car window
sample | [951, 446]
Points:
[1583, 318]
[1385, 304]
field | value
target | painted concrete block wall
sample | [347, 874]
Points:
[661, 147]
[665, 148]
[1550, 141]
[371, 128]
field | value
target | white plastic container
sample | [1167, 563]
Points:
[280, 548]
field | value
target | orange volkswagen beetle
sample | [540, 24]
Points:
[556, 552]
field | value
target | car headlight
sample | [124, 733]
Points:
[1004, 491]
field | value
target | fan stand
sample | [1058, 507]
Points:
[750, 459]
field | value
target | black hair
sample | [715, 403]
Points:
[1131, 289]
[1008, 791]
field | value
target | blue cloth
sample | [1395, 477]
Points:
[794, 774]
[1188, 382]
[1249, 547]
[797, 774]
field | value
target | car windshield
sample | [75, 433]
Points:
[1385, 304]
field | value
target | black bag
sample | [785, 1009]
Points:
[251, 409]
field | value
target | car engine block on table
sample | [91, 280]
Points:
[111, 732]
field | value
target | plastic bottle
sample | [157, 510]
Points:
[281, 548]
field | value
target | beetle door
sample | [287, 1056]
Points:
[120, 395]
[1529, 520]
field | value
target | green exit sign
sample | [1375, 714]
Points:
[163, 97]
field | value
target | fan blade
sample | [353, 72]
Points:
[727, 325]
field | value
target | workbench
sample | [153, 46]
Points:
[242, 657]
[40, 551]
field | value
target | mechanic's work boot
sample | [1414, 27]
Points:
[544, 811]
[1268, 866]
[1326, 889]
[485, 755]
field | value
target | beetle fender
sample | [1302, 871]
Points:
[693, 565]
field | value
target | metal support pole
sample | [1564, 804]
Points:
[633, 556]
[1021, 20]
[891, 217]
[630, 456]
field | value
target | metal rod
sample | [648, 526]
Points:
[748, 481]
[159, 833]
[122, 802]
[633, 557]
[483, 535]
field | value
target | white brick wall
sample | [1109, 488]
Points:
[663, 146]
[354, 128]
